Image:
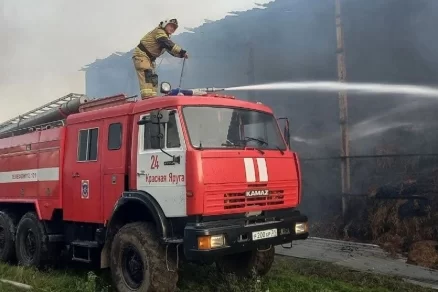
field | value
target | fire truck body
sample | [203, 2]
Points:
[213, 174]
[30, 170]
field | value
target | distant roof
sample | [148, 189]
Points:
[104, 62]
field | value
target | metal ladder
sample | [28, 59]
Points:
[39, 110]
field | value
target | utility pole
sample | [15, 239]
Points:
[343, 109]
[250, 72]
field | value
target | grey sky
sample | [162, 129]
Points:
[46, 42]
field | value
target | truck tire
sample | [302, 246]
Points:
[7, 236]
[246, 263]
[138, 261]
[31, 242]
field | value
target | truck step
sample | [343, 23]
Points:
[84, 243]
[173, 240]
[87, 261]
[82, 250]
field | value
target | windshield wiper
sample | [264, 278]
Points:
[261, 141]
[228, 143]
[279, 149]
[259, 150]
[200, 145]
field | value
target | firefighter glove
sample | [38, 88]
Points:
[183, 54]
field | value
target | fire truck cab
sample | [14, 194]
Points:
[141, 185]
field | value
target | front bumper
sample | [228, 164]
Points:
[238, 235]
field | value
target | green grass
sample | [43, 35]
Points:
[286, 275]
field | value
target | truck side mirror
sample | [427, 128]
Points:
[286, 131]
[156, 117]
[159, 116]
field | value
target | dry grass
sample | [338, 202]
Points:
[397, 234]
[424, 253]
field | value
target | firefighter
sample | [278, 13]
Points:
[151, 46]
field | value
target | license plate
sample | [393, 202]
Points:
[264, 234]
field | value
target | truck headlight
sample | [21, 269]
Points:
[301, 228]
[211, 241]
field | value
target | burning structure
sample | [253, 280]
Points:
[393, 198]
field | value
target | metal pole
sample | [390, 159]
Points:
[343, 109]
[182, 73]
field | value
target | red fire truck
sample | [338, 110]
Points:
[139, 185]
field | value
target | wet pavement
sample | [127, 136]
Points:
[360, 257]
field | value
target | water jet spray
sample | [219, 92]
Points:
[331, 86]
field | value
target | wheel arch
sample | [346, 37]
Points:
[137, 206]
[20, 207]
[133, 206]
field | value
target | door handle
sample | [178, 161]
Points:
[142, 172]
[76, 174]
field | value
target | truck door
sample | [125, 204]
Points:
[82, 173]
[114, 151]
[156, 174]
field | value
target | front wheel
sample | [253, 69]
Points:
[138, 262]
[245, 264]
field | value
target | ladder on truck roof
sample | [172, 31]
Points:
[39, 110]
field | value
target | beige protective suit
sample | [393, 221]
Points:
[151, 46]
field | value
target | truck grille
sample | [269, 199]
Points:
[239, 200]
[231, 198]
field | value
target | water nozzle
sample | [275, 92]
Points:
[209, 89]
[214, 89]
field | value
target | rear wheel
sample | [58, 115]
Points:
[7, 236]
[31, 243]
[246, 263]
[138, 262]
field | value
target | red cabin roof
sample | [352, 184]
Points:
[161, 102]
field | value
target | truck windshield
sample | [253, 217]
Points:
[221, 127]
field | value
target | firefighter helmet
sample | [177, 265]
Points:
[173, 21]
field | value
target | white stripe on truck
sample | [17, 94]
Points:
[263, 170]
[249, 170]
[30, 175]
